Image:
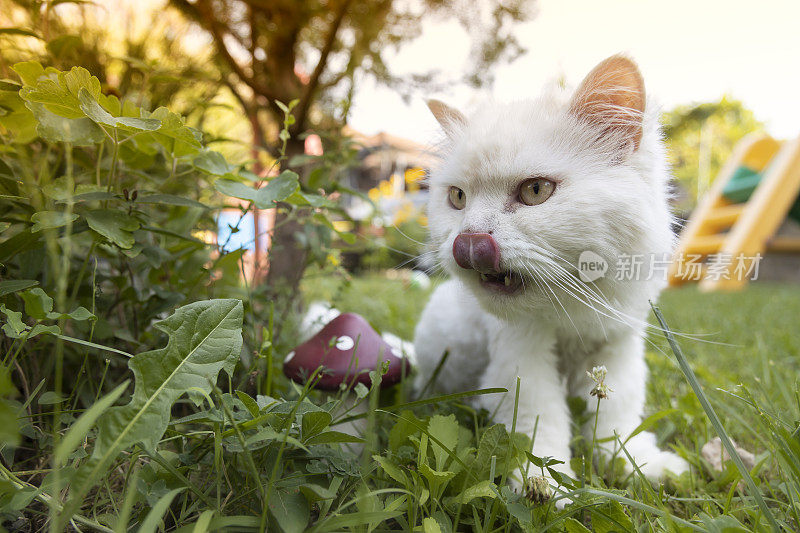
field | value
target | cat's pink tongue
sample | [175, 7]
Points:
[477, 251]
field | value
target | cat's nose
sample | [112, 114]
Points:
[477, 251]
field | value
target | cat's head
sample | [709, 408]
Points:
[523, 189]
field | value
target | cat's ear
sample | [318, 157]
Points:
[450, 119]
[612, 98]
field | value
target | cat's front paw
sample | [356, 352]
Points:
[657, 464]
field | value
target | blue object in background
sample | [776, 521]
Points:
[244, 238]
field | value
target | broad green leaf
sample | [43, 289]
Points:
[37, 303]
[55, 128]
[430, 525]
[361, 390]
[93, 196]
[80, 313]
[407, 424]
[116, 226]
[494, 442]
[267, 434]
[98, 114]
[8, 85]
[290, 510]
[611, 519]
[482, 489]
[249, 403]
[60, 189]
[314, 422]
[173, 135]
[445, 430]
[9, 423]
[15, 285]
[235, 189]
[78, 430]
[153, 519]
[436, 479]
[213, 163]
[277, 189]
[41, 329]
[392, 470]
[14, 325]
[314, 492]
[50, 398]
[203, 339]
[573, 526]
[28, 71]
[17, 119]
[169, 199]
[328, 437]
[51, 219]
[523, 514]
[58, 92]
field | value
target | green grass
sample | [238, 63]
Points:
[743, 348]
[233, 459]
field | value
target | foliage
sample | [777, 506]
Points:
[701, 137]
[312, 51]
[104, 208]
[130, 51]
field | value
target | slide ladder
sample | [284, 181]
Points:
[723, 240]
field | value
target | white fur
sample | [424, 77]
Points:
[558, 327]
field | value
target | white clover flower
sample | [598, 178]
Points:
[537, 490]
[598, 375]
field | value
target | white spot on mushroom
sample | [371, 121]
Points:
[289, 357]
[344, 343]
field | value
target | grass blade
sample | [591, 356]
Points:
[150, 524]
[77, 432]
[715, 421]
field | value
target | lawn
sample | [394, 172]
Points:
[744, 350]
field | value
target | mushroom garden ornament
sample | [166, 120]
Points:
[348, 349]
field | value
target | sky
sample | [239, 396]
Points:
[688, 51]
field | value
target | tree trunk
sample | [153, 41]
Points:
[287, 255]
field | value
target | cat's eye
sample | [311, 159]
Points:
[457, 198]
[534, 191]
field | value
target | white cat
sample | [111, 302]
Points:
[522, 190]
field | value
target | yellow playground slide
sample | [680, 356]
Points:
[735, 223]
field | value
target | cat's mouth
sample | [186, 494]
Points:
[502, 282]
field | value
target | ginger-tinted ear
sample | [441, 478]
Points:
[450, 119]
[612, 98]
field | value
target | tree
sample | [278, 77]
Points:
[701, 137]
[311, 50]
[131, 52]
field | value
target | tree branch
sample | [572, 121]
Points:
[201, 13]
[313, 82]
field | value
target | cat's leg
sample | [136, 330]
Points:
[529, 352]
[622, 410]
[452, 322]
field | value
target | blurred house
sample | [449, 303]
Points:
[392, 172]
